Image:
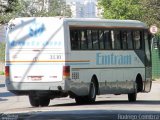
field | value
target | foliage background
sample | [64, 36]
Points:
[147, 11]
[2, 51]
[26, 8]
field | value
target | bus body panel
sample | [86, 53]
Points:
[111, 79]
[35, 53]
[114, 81]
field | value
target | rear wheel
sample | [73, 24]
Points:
[80, 99]
[38, 101]
[133, 96]
[90, 98]
[44, 101]
[33, 101]
[92, 93]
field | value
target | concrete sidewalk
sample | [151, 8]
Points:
[2, 78]
[156, 80]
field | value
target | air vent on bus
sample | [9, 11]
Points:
[75, 75]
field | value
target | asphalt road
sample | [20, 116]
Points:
[106, 107]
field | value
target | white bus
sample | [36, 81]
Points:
[50, 57]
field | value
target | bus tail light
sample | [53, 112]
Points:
[66, 72]
[7, 71]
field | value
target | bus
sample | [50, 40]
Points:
[53, 57]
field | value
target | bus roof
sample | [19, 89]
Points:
[105, 22]
[93, 22]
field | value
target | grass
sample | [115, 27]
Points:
[1, 73]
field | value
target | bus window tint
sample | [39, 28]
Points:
[107, 39]
[147, 46]
[116, 44]
[83, 39]
[137, 40]
[74, 39]
[101, 39]
[129, 40]
[89, 38]
[124, 39]
[95, 39]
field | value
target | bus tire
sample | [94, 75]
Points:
[80, 100]
[133, 96]
[92, 93]
[44, 101]
[90, 98]
[33, 101]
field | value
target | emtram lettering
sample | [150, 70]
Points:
[112, 59]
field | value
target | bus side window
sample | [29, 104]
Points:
[137, 40]
[83, 40]
[116, 43]
[147, 47]
[107, 39]
[89, 38]
[129, 40]
[95, 39]
[74, 39]
[124, 39]
[101, 39]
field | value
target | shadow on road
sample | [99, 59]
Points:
[2, 99]
[113, 102]
[86, 115]
[6, 94]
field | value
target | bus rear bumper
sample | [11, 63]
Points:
[35, 86]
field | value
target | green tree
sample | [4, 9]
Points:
[25, 8]
[2, 51]
[152, 12]
[121, 9]
[59, 8]
[11, 10]
[147, 11]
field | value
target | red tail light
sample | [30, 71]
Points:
[7, 71]
[66, 72]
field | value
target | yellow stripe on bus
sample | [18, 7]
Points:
[52, 61]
